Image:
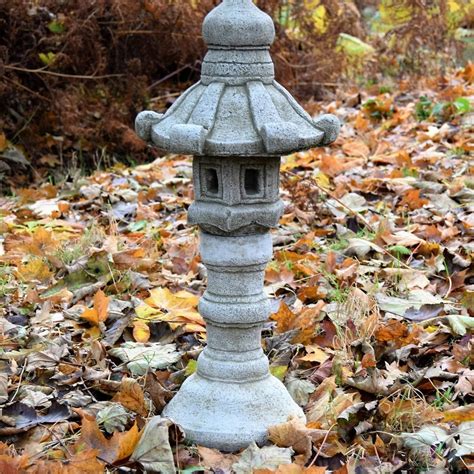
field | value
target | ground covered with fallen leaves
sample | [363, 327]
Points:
[373, 289]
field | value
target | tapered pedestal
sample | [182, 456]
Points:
[232, 400]
[230, 416]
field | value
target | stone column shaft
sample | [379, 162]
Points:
[234, 307]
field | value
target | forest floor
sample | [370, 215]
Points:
[374, 303]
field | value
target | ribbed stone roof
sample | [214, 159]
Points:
[237, 108]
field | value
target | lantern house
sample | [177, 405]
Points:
[237, 122]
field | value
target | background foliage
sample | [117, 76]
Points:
[74, 74]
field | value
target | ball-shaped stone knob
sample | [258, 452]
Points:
[143, 123]
[330, 125]
[238, 23]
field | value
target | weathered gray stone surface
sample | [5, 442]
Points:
[237, 122]
[229, 416]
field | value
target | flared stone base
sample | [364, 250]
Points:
[230, 416]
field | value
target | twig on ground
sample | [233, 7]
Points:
[321, 447]
[60, 74]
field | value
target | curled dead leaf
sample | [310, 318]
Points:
[214, 459]
[120, 446]
[292, 434]
[153, 451]
[131, 396]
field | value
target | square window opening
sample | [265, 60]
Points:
[212, 181]
[252, 182]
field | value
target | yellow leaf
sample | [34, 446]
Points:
[41, 243]
[194, 328]
[279, 371]
[162, 305]
[141, 331]
[460, 414]
[320, 18]
[91, 315]
[315, 354]
[145, 311]
[35, 269]
[191, 367]
[163, 298]
[323, 180]
[353, 46]
[394, 13]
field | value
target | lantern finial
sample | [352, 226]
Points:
[238, 23]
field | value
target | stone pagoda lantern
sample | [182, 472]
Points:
[236, 122]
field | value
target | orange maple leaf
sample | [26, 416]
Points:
[41, 243]
[99, 312]
[413, 200]
[305, 321]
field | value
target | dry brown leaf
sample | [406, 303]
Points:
[84, 462]
[305, 321]
[214, 459]
[333, 166]
[413, 200]
[356, 148]
[326, 334]
[398, 333]
[292, 434]
[319, 401]
[368, 361]
[119, 447]
[159, 395]
[3, 142]
[131, 396]
[326, 404]
[13, 464]
[391, 331]
[292, 469]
